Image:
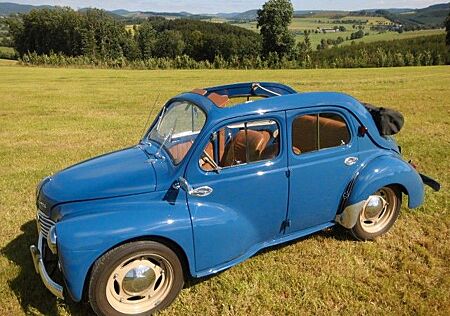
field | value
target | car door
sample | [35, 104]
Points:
[322, 160]
[246, 200]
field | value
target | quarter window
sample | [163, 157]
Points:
[312, 132]
[241, 143]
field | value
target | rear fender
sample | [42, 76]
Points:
[388, 170]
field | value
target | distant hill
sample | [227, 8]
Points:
[249, 15]
[431, 16]
[7, 8]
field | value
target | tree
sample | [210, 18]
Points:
[447, 39]
[146, 39]
[447, 28]
[169, 44]
[273, 20]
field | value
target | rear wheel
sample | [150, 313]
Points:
[378, 214]
[137, 278]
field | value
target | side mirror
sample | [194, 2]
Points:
[183, 184]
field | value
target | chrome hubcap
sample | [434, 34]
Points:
[138, 279]
[378, 210]
[139, 284]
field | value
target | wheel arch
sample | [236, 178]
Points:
[171, 244]
[384, 171]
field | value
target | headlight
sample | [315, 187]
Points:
[51, 240]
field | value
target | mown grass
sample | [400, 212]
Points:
[51, 118]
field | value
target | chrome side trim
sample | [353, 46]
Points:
[349, 216]
[55, 288]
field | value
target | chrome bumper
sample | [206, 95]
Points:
[51, 285]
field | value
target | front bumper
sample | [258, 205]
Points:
[36, 254]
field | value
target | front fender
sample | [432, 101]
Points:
[388, 170]
[100, 225]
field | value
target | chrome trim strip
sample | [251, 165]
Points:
[45, 223]
[55, 288]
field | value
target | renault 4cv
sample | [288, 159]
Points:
[210, 184]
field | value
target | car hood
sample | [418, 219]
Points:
[120, 173]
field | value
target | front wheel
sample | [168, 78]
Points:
[378, 214]
[137, 278]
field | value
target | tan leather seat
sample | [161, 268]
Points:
[333, 133]
[180, 150]
[236, 149]
[304, 131]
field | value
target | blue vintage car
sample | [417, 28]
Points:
[222, 173]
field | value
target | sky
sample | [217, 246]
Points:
[215, 6]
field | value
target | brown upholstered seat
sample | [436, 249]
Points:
[333, 133]
[304, 131]
[236, 149]
[180, 150]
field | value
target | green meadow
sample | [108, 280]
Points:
[312, 23]
[51, 118]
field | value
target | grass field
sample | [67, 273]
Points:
[51, 118]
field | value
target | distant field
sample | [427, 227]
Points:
[312, 23]
[375, 37]
[4, 49]
[51, 118]
[7, 52]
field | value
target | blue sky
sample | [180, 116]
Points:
[214, 6]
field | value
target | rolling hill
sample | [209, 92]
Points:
[7, 8]
[431, 16]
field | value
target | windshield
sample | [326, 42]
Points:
[177, 128]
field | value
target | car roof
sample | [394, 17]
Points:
[277, 97]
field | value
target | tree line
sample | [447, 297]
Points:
[95, 34]
[421, 51]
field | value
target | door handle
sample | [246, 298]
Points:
[349, 161]
[200, 191]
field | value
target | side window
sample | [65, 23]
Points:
[241, 143]
[312, 132]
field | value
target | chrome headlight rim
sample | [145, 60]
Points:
[52, 240]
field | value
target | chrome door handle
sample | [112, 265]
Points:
[200, 191]
[350, 160]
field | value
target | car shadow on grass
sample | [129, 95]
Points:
[31, 293]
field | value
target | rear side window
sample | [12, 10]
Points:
[241, 143]
[312, 132]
